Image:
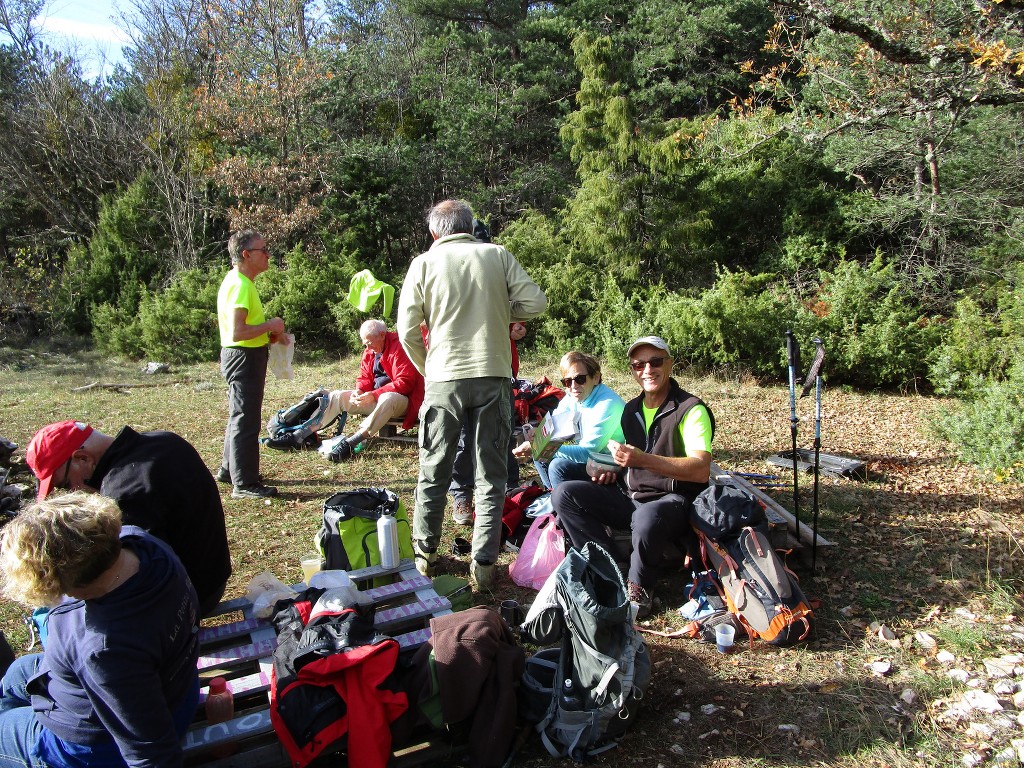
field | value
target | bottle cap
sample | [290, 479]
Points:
[218, 685]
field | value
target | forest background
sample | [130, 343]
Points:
[715, 171]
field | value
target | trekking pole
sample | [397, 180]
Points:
[793, 354]
[814, 374]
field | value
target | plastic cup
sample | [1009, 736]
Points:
[724, 636]
[310, 565]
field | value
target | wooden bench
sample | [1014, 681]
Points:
[242, 651]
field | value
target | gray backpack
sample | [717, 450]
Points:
[602, 658]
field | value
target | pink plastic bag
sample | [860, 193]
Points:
[543, 549]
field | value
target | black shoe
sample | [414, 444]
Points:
[253, 491]
[223, 476]
[341, 452]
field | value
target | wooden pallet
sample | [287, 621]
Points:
[242, 651]
[394, 432]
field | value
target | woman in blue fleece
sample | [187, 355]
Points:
[596, 413]
[117, 683]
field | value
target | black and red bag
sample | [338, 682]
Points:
[333, 684]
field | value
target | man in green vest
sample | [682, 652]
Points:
[666, 454]
[245, 336]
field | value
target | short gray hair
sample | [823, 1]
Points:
[240, 241]
[450, 217]
[372, 328]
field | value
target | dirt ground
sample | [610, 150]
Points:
[918, 652]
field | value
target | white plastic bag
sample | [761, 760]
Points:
[281, 353]
[264, 591]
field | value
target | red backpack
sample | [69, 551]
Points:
[512, 516]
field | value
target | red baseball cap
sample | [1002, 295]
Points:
[50, 449]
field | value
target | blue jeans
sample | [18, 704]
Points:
[559, 469]
[19, 729]
[484, 407]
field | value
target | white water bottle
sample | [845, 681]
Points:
[387, 539]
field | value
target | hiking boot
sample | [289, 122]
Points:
[425, 561]
[463, 514]
[253, 491]
[642, 599]
[223, 476]
[341, 452]
[481, 575]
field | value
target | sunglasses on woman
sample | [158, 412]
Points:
[639, 365]
[580, 380]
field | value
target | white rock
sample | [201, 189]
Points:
[1005, 757]
[975, 682]
[982, 701]
[980, 730]
[709, 734]
[999, 668]
[1004, 688]
[1002, 723]
[945, 657]
[925, 640]
[908, 696]
[882, 667]
[964, 613]
[675, 749]
[789, 728]
[1018, 744]
[710, 709]
[972, 759]
[958, 675]
[1020, 719]
[1018, 700]
[683, 717]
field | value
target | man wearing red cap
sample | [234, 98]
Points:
[159, 481]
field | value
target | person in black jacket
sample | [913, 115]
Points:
[158, 480]
[667, 458]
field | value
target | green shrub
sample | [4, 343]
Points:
[988, 429]
[983, 339]
[117, 330]
[179, 324]
[873, 329]
[311, 294]
[568, 321]
[739, 323]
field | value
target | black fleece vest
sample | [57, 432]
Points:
[642, 484]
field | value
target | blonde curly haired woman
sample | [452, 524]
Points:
[117, 683]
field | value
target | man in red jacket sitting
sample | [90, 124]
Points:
[401, 396]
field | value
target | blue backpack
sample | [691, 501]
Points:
[296, 427]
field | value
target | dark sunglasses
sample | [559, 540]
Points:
[639, 365]
[63, 484]
[580, 380]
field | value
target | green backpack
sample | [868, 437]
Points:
[348, 537]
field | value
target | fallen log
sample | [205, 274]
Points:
[102, 385]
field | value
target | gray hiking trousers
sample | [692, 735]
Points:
[245, 371]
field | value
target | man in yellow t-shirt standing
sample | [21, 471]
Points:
[245, 336]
